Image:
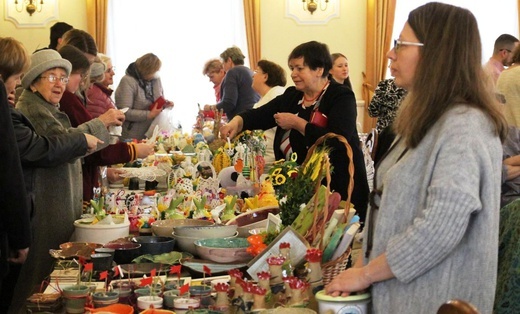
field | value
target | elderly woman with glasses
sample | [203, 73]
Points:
[432, 232]
[57, 190]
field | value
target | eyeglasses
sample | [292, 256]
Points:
[399, 43]
[258, 72]
[53, 78]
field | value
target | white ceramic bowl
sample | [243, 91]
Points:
[206, 232]
[351, 304]
[99, 233]
[164, 228]
[187, 243]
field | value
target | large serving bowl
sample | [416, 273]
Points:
[254, 219]
[253, 216]
[100, 233]
[164, 228]
[187, 243]
[205, 232]
[124, 252]
[154, 245]
[223, 250]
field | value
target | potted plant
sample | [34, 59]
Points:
[151, 300]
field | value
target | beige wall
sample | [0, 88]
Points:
[346, 34]
[70, 11]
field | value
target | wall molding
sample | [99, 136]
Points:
[294, 10]
[50, 12]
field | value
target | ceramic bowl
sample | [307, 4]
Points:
[253, 216]
[223, 250]
[329, 304]
[154, 245]
[187, 243]
[164, 228]
[206, 232]
[124, 252]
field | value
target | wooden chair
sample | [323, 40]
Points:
[457, 307]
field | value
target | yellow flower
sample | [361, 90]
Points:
[279, 179]
[161, 207]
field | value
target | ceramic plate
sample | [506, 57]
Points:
[75, 249]
[138, 270]
[216, 268]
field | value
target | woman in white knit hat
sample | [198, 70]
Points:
[58, 190]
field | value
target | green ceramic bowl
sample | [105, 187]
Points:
[228, 250]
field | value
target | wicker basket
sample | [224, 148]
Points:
[332, 268]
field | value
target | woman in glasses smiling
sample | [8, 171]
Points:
[432, 232]
[58, 190]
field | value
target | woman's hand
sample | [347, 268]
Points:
[144, 150]
[19, 256]
[114, 175]
[287, 121]
[350, 280]
[113, 117]
[154, 112]
[232, 128]
[92, 142]
[168, 104]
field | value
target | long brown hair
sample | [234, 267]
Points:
[449, 72]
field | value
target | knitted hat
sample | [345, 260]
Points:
[42, 61]
[97, 69]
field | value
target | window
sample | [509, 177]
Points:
[184, 35]
[493, 20]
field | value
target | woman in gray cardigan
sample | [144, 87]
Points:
[432, 232]
[137, 91]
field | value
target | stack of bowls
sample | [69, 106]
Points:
[187, 235]
[164, 228]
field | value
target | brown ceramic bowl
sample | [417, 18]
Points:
[124, 252]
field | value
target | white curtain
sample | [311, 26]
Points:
[184, 35]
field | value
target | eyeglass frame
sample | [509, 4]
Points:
[51, 78]
[398, 43]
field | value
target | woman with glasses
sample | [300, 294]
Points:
[214, 70]
[99, 93]
[56, 191]
[312, 108]
[432, 232]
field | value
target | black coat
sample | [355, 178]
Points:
[43, 151]
[14, 224]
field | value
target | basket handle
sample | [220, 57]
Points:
[341, 139]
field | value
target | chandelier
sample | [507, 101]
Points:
[31, 6]
[311, 5]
